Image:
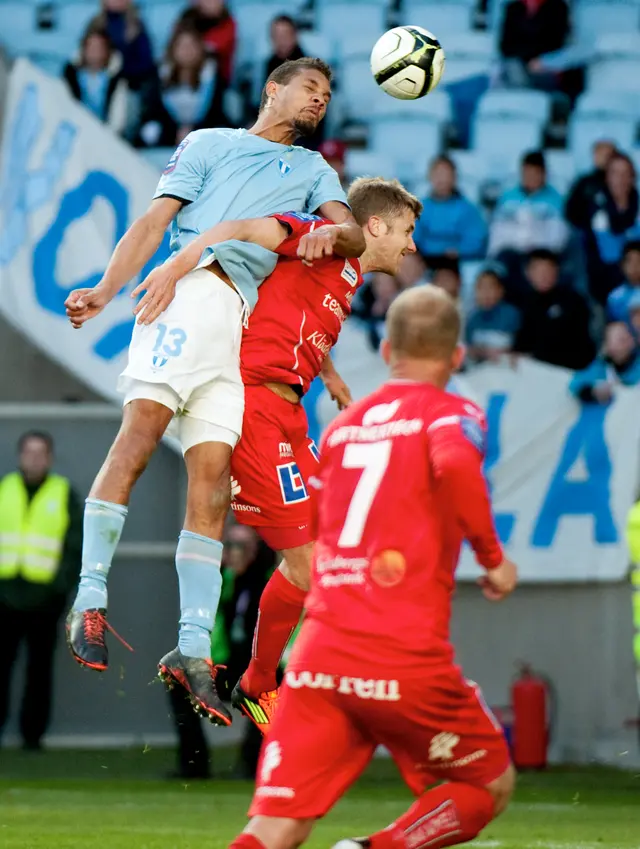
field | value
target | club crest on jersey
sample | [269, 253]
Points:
[349, 274]
[284, 167]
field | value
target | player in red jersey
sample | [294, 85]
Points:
[299, 315]
[399, 486]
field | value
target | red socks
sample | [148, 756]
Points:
[247, 841]
[445, 816]
[281, 606]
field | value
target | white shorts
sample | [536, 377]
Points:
[188, 359]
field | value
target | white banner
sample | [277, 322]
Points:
[563, 474]
[70, 188]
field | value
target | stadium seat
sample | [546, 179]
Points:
[357, 88]
[591, 19]
[254, 21]
[469, 45]
[608, 103]
[615, 73]
[472, 173]
[316, 44]
[469, 271]
[368, 163]
[18, 19]
[460, 68]
[525, 103]
[73, 18]
[561, 169]
[409, 143]
[440, 18]
[339, 21]
[618, 44]
[157, 156]
[160, 19]
[585, 130]
[437, 107]
[506, 138]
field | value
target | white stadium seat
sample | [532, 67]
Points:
[584, 131]
[525, 103]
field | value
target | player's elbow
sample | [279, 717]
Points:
[351, 242]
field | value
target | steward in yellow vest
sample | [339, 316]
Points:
[40, 556]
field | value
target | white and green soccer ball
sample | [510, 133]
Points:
[407, 62]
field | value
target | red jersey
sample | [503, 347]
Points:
[400, 485]
[300, 312]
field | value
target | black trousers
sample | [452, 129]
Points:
[38, 630]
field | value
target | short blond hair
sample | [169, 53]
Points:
[423, 323]
[387, 199]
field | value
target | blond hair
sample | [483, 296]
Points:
[423, 323]
[386, 199]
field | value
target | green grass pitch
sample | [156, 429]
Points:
[120, 800]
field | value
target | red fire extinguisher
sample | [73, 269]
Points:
[532, 708]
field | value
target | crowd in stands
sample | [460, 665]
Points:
[538, 271]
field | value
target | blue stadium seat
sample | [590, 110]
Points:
[437, 107]
[254, 21]
[469, 45]
[317, 44]
[584, 131]
[17, 20]
[440, 18]
[368, 163]
[606, 103]
[157, 156]
[615, 73]
[160, 19]
[358, 88]
[460, 68]
[339, 21]
[618, 44]
[561, 169]
[524, 102]
[591, 19]
[409, 143]
[504, 138]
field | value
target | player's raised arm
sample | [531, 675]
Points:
[346, 239]
[159, 286]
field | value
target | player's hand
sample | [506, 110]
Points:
[83, 304]
[160, 288]
[318, 243]
[500, 582]
[337, 389]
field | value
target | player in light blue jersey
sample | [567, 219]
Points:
[183, 365]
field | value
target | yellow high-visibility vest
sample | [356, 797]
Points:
[633, 541]
[32, 533]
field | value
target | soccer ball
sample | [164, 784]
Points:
[407, 62]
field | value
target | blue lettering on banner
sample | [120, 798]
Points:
[291, 484]
[496, 404]
[590, 497]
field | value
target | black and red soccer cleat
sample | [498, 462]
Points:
[86, 631]
[198, 677]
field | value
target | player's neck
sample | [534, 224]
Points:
[273, 129]
[420, 371]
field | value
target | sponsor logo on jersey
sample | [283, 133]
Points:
[330, 303]
[172, 163]
[236, 489]
[349, 274]
[285, 450]
[459, 762]
[442, 746]
[380, 413]
[303, 216]
[389, 430]
[320, 341]
[245, 508]
[362, 688]
[284, 167]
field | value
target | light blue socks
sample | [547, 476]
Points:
[198, 565]
[103, 523]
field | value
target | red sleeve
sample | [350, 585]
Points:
[298, 224]
[456, 450]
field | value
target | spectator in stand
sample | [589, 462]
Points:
[617, 364]
[612, 220]
[412, 271]
[447, 276]
[284, 42]
[527, 217]
[371, 303]
[618, 302]
[122, 23]
[213, 20]
[450, 225]
[634, 314]
[555, 322]
[531, 29]
[493, 324]
[190, 96]
[334, 152]
[97, 82]
[585, 189]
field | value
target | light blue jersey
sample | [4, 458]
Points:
[225, 175]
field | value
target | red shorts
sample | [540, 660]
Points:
[327, 728]
[269, 468]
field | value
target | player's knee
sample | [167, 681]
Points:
[296, 565]
[280, 832]
[502, 790]
[143, 425]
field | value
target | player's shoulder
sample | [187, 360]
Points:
[214, 137]
[310, 157]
